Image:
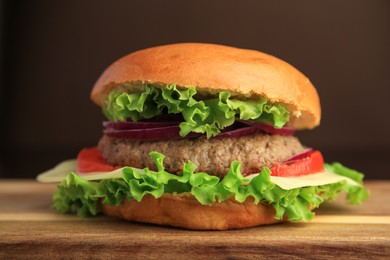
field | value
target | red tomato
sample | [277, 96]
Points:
[311, 164]
[90, 160]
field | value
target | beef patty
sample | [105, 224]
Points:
[212, 156]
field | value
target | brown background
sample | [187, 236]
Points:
[53, 51]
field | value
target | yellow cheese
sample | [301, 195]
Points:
[59, 172]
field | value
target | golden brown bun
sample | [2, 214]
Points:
[186, 212]
[213, 68]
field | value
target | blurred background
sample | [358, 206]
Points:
[53, 51]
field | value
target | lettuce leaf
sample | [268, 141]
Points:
[208, 116]
[75, 194]
[354, 194]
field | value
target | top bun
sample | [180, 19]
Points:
[213, 68]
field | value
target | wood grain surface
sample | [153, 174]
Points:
[29, 228]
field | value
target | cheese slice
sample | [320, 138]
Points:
[316, 179]
[59, 172]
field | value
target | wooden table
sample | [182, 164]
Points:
[29, 228]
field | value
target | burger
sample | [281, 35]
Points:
[201, 136]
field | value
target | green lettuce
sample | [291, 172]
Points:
[75, 194]
[354, 194]
[200, 116]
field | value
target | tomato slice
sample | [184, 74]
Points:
[90, 160]
[313, 163]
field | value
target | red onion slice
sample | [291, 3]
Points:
[156, 133]
[127, 125]
[304, 154]
[159, 130]
[268, 128]
[172, 132]
[243, 131]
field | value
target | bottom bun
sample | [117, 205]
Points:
[185, 211]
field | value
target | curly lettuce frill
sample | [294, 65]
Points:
[76, 194]
[208, 116]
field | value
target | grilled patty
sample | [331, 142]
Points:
[213, 156]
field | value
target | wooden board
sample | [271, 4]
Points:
[29, 228]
